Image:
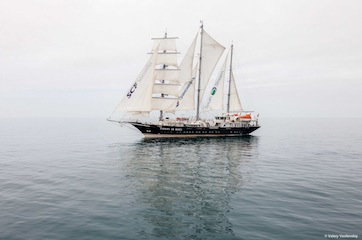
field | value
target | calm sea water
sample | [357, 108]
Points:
[89, 179]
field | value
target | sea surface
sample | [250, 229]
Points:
[89, 179]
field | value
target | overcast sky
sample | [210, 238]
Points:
[77, 58]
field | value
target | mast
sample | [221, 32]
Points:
[163, 81]
[230, 76]
[199, 83]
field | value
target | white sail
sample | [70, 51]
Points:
[165, 96]
[137, 114]
[187, 94]
[168, 74]
[163, 103]
[215, 99]
[165, 44]
[166, 78]
[166, 89]
[138, 98]
[235, 104]
[168, 59]
[166, 49]
[186, 65]
[211, 53]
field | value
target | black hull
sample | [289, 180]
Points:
[153, 130]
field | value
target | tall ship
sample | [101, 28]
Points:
[169, 99]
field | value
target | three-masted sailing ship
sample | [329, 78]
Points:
[170, 88]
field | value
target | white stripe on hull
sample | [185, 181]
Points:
[155, 135]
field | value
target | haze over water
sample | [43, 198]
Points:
[88, 179]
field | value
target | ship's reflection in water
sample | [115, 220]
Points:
[183, 187]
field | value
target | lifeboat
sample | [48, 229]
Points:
[246, 117]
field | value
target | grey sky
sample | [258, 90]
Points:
[77, 58]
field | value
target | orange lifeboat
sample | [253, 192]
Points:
[246, 117]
